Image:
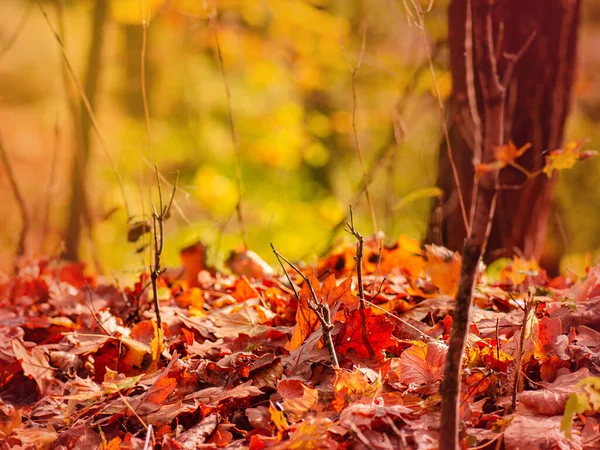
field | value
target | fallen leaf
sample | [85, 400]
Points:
[35, 364]
[552, 398]
[377, 333]
[423, 364]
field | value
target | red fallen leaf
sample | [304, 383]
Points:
[35, 364]
[193, 258]
[306, 320]
[552, 398]
[243, 290]
[423, 364]
[378, 333]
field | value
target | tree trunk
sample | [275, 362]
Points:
[79, 208]
[536, 108]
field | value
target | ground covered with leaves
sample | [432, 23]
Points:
[243, 360]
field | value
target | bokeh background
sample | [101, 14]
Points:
[288, 68]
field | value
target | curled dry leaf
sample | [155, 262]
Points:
[551, 399]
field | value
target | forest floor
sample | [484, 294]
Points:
[248, 360]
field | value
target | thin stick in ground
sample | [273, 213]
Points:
[519, 359]
[320, 309]
[158, 218]
[359, 275]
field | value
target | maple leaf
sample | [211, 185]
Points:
[306, 320]
[423, 364]
[566, 157]
[378, 333]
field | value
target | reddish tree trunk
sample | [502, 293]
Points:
[536, 108]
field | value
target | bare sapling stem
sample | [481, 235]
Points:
[20, 201]
[359, 276]
[494, 87]
[158, 218]
[320, 309]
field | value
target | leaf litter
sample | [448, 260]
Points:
[241, 362]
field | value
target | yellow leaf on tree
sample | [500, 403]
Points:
[563, 158]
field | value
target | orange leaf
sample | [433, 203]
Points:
[306, 320]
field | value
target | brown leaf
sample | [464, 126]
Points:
[552, 398]
[534, 432]
[199, 434]
[35, 364]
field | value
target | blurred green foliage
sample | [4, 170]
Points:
[287, 66]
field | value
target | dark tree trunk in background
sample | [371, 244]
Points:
[536, 109]
[79, 207]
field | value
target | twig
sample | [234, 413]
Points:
[148, 436]
[158, 218]
[91, 307]
[402, 321]
[516, 381]
[320, 309]
[359, 275]
[20, 201]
